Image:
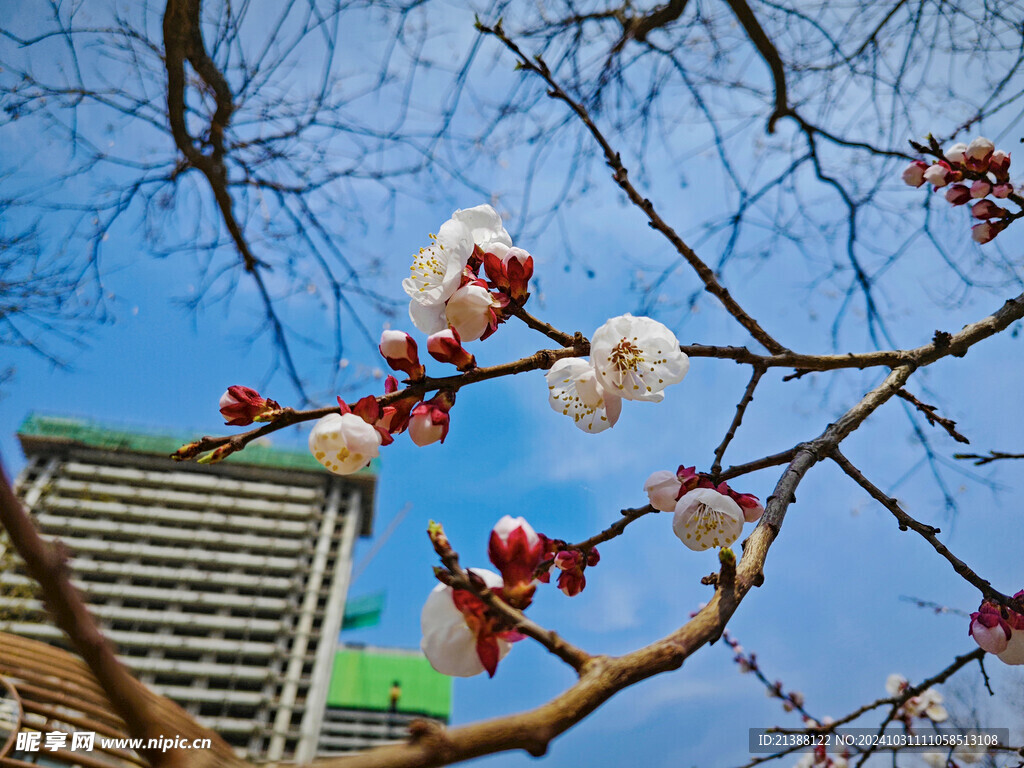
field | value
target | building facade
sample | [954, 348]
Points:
[223, 586]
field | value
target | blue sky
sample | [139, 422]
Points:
[828, 621]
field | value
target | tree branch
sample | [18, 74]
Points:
[621, 177]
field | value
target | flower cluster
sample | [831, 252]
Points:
[706, 515]
[999, 631]
[461, 636]
[988, 171]
[927, 704]
[631, 358]
[445, 287]
[449, 301]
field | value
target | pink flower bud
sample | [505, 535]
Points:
[1002, 190]
[989, 630]
[958, 194]
[987, 231]
[980, 188]
[593, 557]
[572, 582]
[999, 164]
[399, 349]
[241, 406]
[938, 175]
[446, 347]
[913, 174]
[978, 154]
[429, 421]
[516, 550]
[986, 209]
[663, 489]
[955, 154]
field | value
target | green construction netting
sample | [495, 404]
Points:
[362, 679]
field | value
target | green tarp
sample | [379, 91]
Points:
[363, 611]
[362, 679]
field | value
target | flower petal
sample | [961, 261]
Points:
[573, 390]
[705, 518]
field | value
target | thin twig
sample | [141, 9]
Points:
[931, 414]
[927, 532]
[737, 419]
[981, 460]
[621, 177]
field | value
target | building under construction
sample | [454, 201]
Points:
[223, 586]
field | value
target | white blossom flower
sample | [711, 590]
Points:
[573, 390]
[344, 443]
[895, 684]
[484, 225]
[662, 488]
[437, 269]
[448, 642]
[705, 518]
[927, 704]
[637, 357]
[955, 154]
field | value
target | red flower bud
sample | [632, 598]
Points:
[241, 406]
[986, 209]
[429, 420]
[958, 194]
[399, 349]
[446, 347]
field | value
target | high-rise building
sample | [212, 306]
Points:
[222, 585]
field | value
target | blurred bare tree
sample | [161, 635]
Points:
[269, 138]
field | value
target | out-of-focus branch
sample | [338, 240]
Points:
[769, 53]
[183, 41]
